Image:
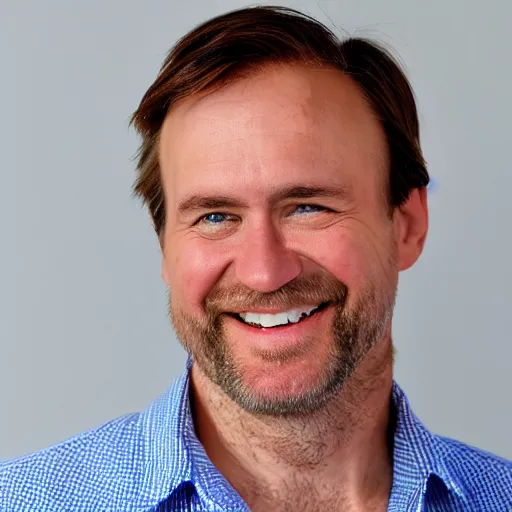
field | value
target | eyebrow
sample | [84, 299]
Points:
[198, 202]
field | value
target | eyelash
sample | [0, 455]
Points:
[316, 207]
[203, 220]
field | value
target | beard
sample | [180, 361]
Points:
[354, 331]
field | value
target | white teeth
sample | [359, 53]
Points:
[266, 320]
[272, 320]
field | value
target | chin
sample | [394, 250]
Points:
[283, 387]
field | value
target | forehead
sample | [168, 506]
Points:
[284, 123]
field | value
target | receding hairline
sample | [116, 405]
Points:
[189, 103]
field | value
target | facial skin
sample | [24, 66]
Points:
[275, 196]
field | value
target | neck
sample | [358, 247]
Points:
[341, 452]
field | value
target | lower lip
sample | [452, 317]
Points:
[278, 338]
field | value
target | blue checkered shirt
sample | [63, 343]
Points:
[153, 462]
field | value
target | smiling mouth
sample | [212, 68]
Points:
[272, 321]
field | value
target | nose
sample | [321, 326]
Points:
[264, 263]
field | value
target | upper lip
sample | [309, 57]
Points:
[275, 311]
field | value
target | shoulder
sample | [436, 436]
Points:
[95, 470]
[484, 478]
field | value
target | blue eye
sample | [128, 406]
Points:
[308, 208]
[214, 218]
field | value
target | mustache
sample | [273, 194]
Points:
[312, 289]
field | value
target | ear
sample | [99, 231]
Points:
[411, 226]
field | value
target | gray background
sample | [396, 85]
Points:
[84, 332]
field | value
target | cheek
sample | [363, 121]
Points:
[348, 255]
[195, 269]
[345, 261]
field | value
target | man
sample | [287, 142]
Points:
[284, 175]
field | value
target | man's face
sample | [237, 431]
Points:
[279, 250]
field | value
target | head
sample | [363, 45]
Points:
[283, 172]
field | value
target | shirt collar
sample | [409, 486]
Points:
[418, 454]
[167, 461]
[172, 454]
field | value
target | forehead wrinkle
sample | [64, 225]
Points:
[255, 150]
[237, 142]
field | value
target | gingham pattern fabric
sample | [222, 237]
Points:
[153, 462]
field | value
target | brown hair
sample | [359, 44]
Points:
[219, 50]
